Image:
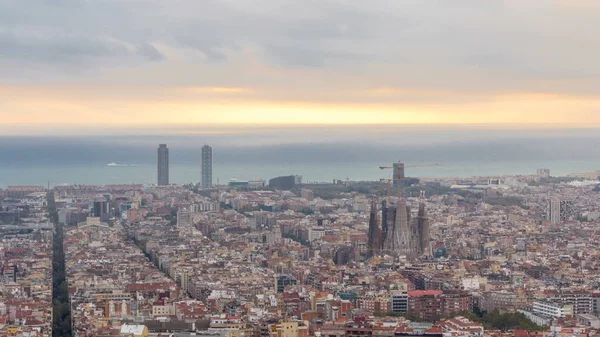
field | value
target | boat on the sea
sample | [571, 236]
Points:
[112, 164]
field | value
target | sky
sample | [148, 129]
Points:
[217, 66]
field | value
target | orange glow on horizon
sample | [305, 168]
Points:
[247, 106]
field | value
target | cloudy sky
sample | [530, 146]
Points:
[156, 63]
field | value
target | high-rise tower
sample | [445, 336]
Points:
[398, 178]
[558, 210]
[163, 164]
[206, 166]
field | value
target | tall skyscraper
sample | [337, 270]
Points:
[100, 210]
[163, 164]
[398, 178]
[206, 166]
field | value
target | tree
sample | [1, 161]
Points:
[506, 321]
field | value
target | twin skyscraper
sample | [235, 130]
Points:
[163, 165]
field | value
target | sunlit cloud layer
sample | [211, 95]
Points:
[130, 63]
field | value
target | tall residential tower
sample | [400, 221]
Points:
[206, 166]
[163, 164]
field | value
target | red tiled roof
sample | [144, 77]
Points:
[417, 293]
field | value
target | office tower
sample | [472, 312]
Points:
[100, 210]
[206, 166]
[163, 164]
[185, 218]
[282, 281]
[399, 301]
[374, 234]
[398, 178]
[558, 211]
[553, 211]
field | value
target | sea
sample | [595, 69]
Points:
[57, 160]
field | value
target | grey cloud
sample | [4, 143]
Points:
[72, 50]
[59, 49]
[490, 45]
[150, 52]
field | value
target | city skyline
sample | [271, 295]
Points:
[293, 168]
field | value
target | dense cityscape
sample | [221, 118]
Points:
[297, 168]
[485, 256]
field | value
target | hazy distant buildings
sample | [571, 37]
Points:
[285, 182]
[163, 164]
[543, 173]
[248, 184]
[398, 178]
[592, 175]
[256, 184]
[206, 166]
[306, 194]
[237, 183]
[21, 191]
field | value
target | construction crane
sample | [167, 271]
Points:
[388, 183]
[400, 173]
